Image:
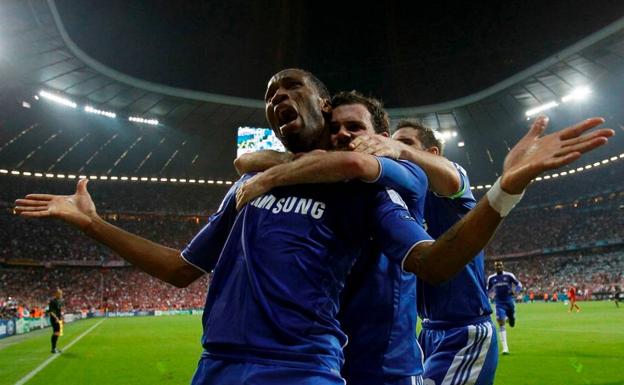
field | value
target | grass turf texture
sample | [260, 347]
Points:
[548, 346]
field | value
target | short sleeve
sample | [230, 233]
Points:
[204, 249]
[395, 229]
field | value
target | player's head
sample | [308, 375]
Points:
[58, 293]
[498, 266]
[296, 106]
[418, 136]
[355, 114]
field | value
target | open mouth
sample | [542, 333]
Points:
[286, 115]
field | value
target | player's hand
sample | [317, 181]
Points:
[377, 145]
[251, 189]
[77, 210]
[535, 153]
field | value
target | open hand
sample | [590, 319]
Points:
[251, 189]
[77, 210]
[535, 153]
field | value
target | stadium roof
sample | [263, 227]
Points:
[38, 53]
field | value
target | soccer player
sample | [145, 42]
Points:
[55, 312]
[572, 298]
[280, 263]
[503, 284]
[452, 324]
[378, 305]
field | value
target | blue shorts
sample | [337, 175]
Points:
[372, 379]
[225, 372]
[464, 355]
[505, 310]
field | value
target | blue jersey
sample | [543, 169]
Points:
[275, 289]
[443, 302]
[503, 284]
[378, 309]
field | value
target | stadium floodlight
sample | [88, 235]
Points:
[579, 169]
[555, 175]
[201, 181]
[219, 182]
[454, 134]
[26, 173]
[60, 176]
[621, 155]
[114, 178]
[36, 97]
[613, 158]
[173, 180]
[154, 179]
[92, 177]
[541, 108]
[49, 175]
[461, 144]
[25, 104]
[587, 167]
[163, 179]
[124, 178]
[488, 186]
[579, 93]
[596, 164]
[228, 182]
[92, 110]
[138, 119]
[191, 180]
[479, 187]
[182, 180]
[14, 172]
[4, 171]
[571, 171]
[143, 178]
[210, 181]
[38, 174]
[71, 176]
[472, 187]
[563, 173]
[538, 178]
[82, 177]
[57, 99]
[546, 177]
[103, 177]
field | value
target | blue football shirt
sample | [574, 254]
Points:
[275, 289]
[464, 297]
[502, 284]
[378, 310]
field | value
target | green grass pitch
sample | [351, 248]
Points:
[548, 346]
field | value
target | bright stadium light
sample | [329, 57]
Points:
[26, 173]
[57, 99]
[538, 178]
[124, 178]
[571, 171]
[613, 158]
[579, 93]
[143, 178]
[49, 175]
[95, 111]
[38, 174]
[114, 178]
[15, 172]
[191, 180]
[4, 171]
[71, 176]
[60, 176]
[138, 119]
[163, 179]
[461, 144]
[541, 108]
[228, 182]
[201, 181]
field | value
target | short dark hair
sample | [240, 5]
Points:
[320, 86]
[426, 135]
[379, 116]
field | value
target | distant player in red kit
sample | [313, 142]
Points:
[572, 297]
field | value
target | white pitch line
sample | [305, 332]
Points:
[45, 363]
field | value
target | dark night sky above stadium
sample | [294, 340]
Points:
[403, 52]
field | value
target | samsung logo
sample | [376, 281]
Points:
[296, 205]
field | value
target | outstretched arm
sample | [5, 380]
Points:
[261, 160]
[78, 210]
[315, 167]
[443, 177]
[533, 154]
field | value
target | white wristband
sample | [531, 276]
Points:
[501, 201]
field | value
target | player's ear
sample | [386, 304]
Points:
[326, 107]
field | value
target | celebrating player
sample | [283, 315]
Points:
[270, 313]
[503, 284]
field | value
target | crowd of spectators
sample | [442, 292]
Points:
[589, 272]
[105, 289]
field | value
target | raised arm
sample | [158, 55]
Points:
[443, 177]
[261, 160]
[315, 167]
[78, 210]
[440, 260]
